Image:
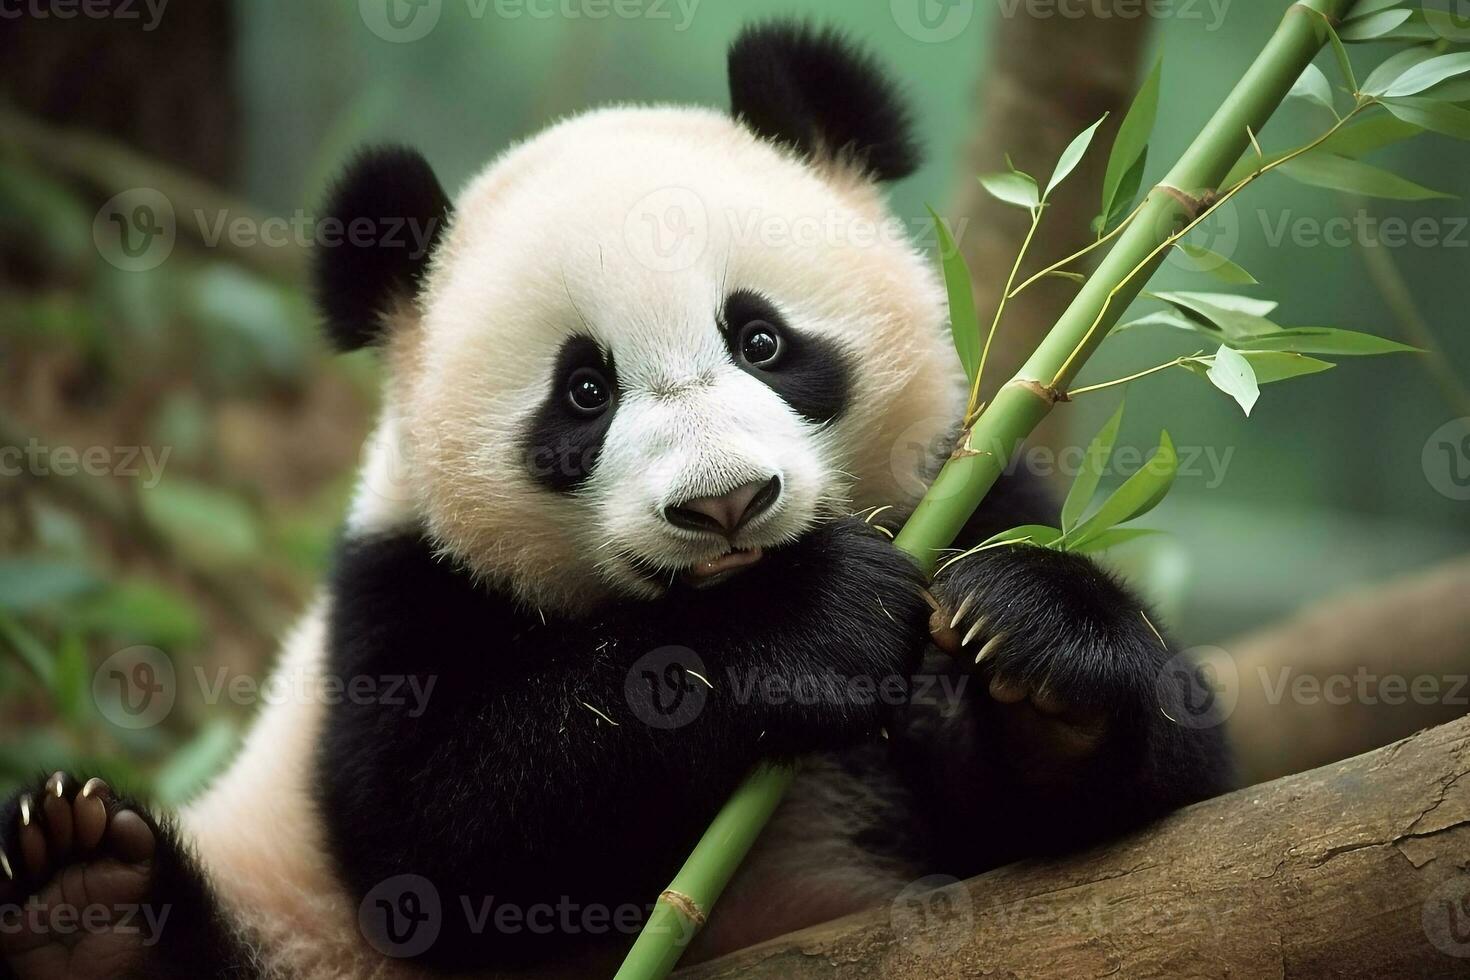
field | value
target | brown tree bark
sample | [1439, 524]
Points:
[1356, 869]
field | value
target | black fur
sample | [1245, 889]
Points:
[560, 447]
[196, 939]
[813, 91]
[812, 375]
[383, 217]
[1071, 628]
[511, 786]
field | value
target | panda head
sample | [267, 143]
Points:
[650, 343]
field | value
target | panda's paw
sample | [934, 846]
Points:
[75, 873]
[1063, 654]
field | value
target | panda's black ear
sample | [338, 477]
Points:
[384, 215]
[812, 90]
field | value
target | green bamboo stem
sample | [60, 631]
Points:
[1026, 399]
[681, 910]
[1018, 407]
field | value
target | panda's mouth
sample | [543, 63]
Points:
[704, 574]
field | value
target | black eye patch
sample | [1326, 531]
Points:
[810, 374]
[563, 438]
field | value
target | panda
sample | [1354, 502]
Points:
[621, 523]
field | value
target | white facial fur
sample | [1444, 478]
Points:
[556, 239]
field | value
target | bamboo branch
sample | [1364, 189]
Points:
[1026, 399]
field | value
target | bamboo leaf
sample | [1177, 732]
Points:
[1094, 461]
[964, 324]
[1123, 200]
[1353, 140]
[1013, 187]
[1217, 265]
[1429, 73]
[1230, 302]
[1232, 374]
[1138, 495]
[1326, 340]
[1112, 538]
[1393, 66]
[1269, 366]
[1418, 28]
[1454, 90]
[1344, 63]
[1364, 7]
[1441, 117]
[1234, 316]
[1313, 86]
[1171, 318]
[1072, 155]
[1318, 169]
[1372, 26]
[1038, 534]
[1130, 148]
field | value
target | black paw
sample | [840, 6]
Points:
[1068, 656]
[75, 873]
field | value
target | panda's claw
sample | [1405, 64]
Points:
[975, 628]
[5, 865]
[960, 612]
[989, 646]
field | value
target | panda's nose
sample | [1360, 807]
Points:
[728, 512]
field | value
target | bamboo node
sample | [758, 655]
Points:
[685, 906]
[1193, 204]
[1046, 393]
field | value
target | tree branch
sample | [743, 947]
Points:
[1355, 869]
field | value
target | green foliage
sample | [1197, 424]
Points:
[964, 324]
[1071, 156]
[1129, 154]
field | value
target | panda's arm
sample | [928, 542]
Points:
[1061, 731]
[580, 759]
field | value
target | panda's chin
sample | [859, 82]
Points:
[707, 574]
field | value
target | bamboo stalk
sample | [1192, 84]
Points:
[1015, 411]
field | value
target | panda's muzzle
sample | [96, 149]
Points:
[728, 512]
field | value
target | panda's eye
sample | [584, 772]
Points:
[760, 344]
[588, 392]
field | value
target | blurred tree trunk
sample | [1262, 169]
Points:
[1358, 869]
[162, 82]
[1352, 673]
[1047, 79]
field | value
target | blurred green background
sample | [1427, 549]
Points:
[247, 108]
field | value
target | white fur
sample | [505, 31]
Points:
[549, 242]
